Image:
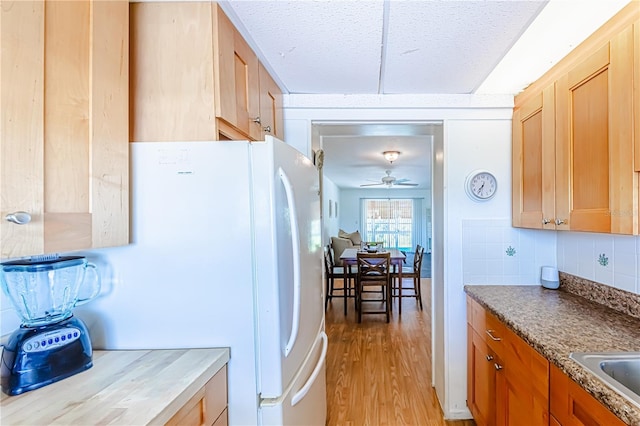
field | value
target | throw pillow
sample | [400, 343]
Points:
[355, 237]
[339, 244]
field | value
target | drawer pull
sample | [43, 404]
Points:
[498, 366]
[494, 338]
[489, 358]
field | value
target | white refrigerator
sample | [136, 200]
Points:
[226, 251]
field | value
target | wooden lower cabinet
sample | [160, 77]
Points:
[508, 381]
[208, 406]
[573, 406]
[481, 379]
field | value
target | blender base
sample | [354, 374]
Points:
[38, 356]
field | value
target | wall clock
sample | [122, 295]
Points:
[481, 185]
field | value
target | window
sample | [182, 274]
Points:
[393, 221]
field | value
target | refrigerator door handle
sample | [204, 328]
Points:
[295, 242]
[303, 391]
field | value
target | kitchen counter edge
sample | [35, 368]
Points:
[556, 323]
[124, 387]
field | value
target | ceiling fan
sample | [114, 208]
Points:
[390, 181]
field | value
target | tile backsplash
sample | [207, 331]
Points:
[496, 253]
[604, 258]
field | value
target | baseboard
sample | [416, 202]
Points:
[463, 414]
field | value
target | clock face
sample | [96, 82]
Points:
[481, 185]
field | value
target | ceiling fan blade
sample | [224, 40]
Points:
[372, 184]
[405, 184]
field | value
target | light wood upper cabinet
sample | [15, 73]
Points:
[589, 121]
[595, 135]
[172, 82]
[195, 78]
[534, 162]
[237, 79]
[636, 92]
[64, 125]
[270, 106]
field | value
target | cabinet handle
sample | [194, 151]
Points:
[489, 358]
[19, 218]
[267, 129]
[546, 221]
[497, 366]
[494, 338]
[560, 222]
[256, 120]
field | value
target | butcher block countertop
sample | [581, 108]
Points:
[558, 322]
[126, 387]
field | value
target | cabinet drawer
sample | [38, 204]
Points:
[487, 326]
[573, 406]
[208, 405]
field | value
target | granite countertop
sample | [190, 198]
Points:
[558, 322]
[127, 387]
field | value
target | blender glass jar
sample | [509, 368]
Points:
[45, 290]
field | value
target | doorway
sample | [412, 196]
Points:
[353, 157]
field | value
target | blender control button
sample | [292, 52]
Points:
[57, 339]
[28, 346]
[43, 343]
[50, 341]
[36, 345]
[63, 338]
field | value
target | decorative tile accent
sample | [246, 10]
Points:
[603, 260]
[511, 251]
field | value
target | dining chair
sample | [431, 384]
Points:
[374, 271]
[331, 272]
[409, 272]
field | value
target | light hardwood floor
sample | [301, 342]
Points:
[379, 373]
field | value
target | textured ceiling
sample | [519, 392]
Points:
[383, 47]
[353, 153]
[407, 47]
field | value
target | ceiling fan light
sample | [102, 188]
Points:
[391, 156]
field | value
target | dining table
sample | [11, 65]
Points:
[349, 257]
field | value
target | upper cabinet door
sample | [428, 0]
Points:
[64, 144]
[172, 87]
[270, 106]
[533, 162]
[595, 139]
[237, 79]
[636, 92]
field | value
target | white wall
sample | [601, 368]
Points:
[472, 240]
[477, 134]
[330, 225]
[468, 145]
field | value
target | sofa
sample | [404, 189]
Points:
[343, 241]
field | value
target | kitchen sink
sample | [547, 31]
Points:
[619, 370]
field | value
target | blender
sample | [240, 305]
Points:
[51, 344]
